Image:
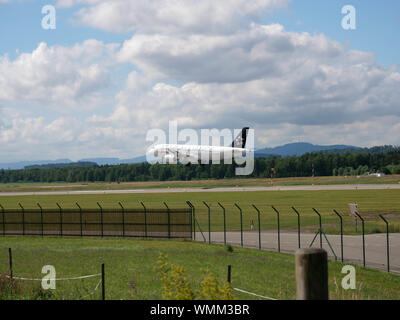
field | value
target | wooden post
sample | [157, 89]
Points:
[311, 274]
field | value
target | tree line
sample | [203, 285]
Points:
[324, 164]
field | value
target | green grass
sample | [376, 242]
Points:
[371, 203]
[371, 227]
[131, 260]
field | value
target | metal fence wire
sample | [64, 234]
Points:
[213, 223]
[286, 229]
[120, 222]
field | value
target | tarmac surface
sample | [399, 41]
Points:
[375, 245]
[222, 189]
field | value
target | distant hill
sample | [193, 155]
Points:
[115, 161]
[134, 160]
[102, 161]
[60, 163]
[298, 149]
[23, 164]
[63, 165]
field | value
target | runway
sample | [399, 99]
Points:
[222, 189]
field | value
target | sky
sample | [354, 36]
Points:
[111, 70]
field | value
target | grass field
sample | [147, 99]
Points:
[130, 263]
[245, 182]
[371, 203]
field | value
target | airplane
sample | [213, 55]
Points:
[187, 154]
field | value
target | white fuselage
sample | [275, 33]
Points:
[195, 153]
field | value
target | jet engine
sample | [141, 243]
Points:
[169, 158]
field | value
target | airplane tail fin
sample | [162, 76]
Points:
[240, 140]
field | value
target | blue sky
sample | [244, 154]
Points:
[21, 27]
[377, 25]
[112, 70]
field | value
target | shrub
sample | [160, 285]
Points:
[212, 290]
[175, 284]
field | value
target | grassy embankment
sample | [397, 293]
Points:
[130, 264]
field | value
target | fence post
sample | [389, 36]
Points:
[320, 227]
[41, 218]
[223, 211]
[103, 283]
[279, 234]
[229, 273]
[23, 218]
[4, 217]
[259, 226]
[311, 274]
[145, 219]
[193, 224]
[61, 220]
[11, 264]
[123, 219]
[298, 225]
[241, 224]
[387, 242]
[363, 238]
[209, 221]
[195, 221]
[101, 219]
[341, 233]
[169, 221]
[80, 216]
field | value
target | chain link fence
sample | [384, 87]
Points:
[119, 222]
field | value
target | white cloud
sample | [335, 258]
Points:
[48, 75]
[160, 16]
[253, 53]
[262, 75]
[35, 138]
